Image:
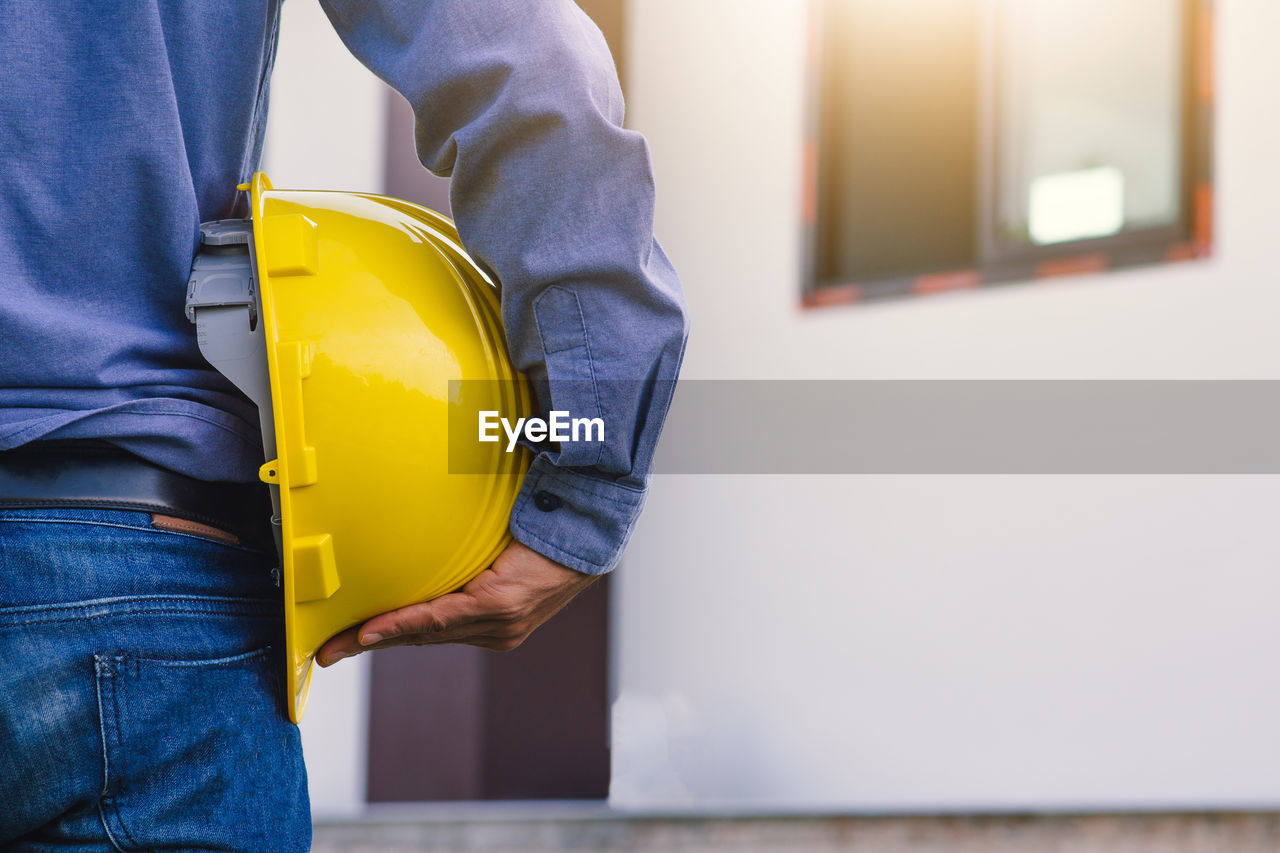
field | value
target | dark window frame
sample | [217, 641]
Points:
[1190, 239]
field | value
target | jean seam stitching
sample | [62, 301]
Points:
[243, 657]
[103, 805]
[126, 603]
[102, 726]
[117, 526]
[138, 612]
[105, 671]
[6, 519]
[186, 599]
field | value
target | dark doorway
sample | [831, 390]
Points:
[460, 723]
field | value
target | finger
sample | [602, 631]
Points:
[429, 617]
[339, 646]
[416, 618]
[347, 643]
[445, 613]
[459, 634]
[493, 641]
[488, 634]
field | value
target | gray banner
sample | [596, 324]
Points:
[973, 427]
[935, 426]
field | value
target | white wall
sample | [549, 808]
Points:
[899, 642]
[943, 642]
[327, 131]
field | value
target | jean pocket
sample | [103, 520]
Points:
[199, 754]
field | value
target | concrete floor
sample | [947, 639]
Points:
[531, 828]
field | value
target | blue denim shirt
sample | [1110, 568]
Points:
[123, 131]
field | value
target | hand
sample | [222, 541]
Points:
[497, 610]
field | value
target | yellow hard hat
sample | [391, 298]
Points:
[368, 328]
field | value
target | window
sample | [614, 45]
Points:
[964, 142]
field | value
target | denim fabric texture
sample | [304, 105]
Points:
[142, 690]
[124, 131]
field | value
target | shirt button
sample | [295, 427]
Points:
[546, 501]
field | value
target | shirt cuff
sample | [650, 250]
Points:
[574, 519]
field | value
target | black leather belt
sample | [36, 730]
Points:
[99, 475]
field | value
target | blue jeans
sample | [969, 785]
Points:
[141, 697]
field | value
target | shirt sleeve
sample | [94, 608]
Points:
[518, 101]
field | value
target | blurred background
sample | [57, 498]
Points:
[879, 189]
